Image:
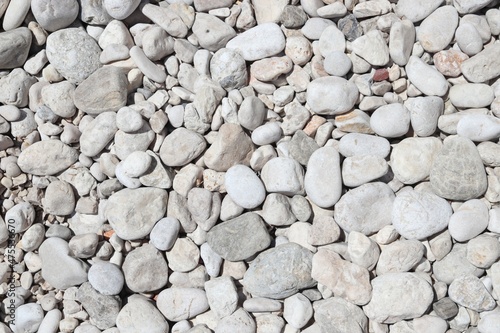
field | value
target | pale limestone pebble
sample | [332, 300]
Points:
[157, 175]
[422, 75]
[283, 175]
[398, 296]
[424, 114]
[147, 67]
[489, 153]
[323, 90]
[337, 63]
[115, 33]
[111, 97]
[335, 314]
[15, 14]
[461, 95]
[372, 48]
[390, 121]
[14, 87]
[468, 39]
[25, 125]
[293, 17]
[183, 256]
[93, 12]
[128, 120]
[469, 220]
[483, 251]
[260, 304]
[412, 158]
[29, 317]
[470, 292]
[365, 209]
[222, 296]
[287, 265]
[493, 20]
[333, 10]
[181, 147]
[186, 178]
[444, 20]
[147, 206]
[96, 135]
[314, 27]
[271, 68]
[145, 269]
[482, 66]
[244, 187]
[331, 39]
[204, 207]
[59, 98]
[362, 250]
[212, 33]
[494, 221]
[106, 278]
[114, 52]
[182, 303]
[469, 6]
[369, 9]
[345, 279]
[489, 322]
[35, 64]
[239, 321]
[266, 134]
[40, 158]
[457, 172]
[10, 112]
[211, 259]
[53, 15]
[253, 47]
[479, 127]
[416, 11]
[166, 18]
[358, 144]
[252, 113]
[136, 164]
[75, 67]
[355, 121]
[400, 256]
[50, 322]
[140, 313]
[277, 210]
[59, 268]
[228, 68]
[269, 323]
[358, 170]
[120, 9]
[59, 198]
[19, 40]
[448, 122]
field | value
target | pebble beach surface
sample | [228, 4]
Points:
[250, 166]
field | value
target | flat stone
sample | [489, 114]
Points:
[181, 146]
[420, 214]
[483, 66]
[469, 220]
[358, 170]
[59, 98]
[313, 28]
[145, 269]
[362, 250]
[97, 134]
[469, 6]
[418, 10]
[343, 278]
[398, 296]
[244, 186]
[443, 19]
[145, 206]
[213, 34]
[424, 114]
[426, 78]
[106, 278]
[46, 158]
[140, 314]
[400, 256]
[458, 172]
[252, 113]
[112, 95]
[59, 268]
[331, 40]
[454, 265]
[412, 158]
[120, 9]
[20, 217]
[166, 18]
[401, 39]
[14, 88]
[372, 48]
[14, 47]
[280, 272]
[461, 95]
[390, 121]
[468, 39]
[448, 62]
[59, 198]
[102, 309]
[338, 315]
[225, 238]
[232, 146]
[365, 209]
[359, 144]
[253, 47]
[93, 12]
[183, 256]
[479, 127]
[178, 304]
[239, 321]
[283, 175]
[164, 233]
[470, 292]
[483, 251]
[222, 296]
[325, 89]
[277, 210]
[53, 15]
[75, 67]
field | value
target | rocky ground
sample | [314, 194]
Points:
[270, 166]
